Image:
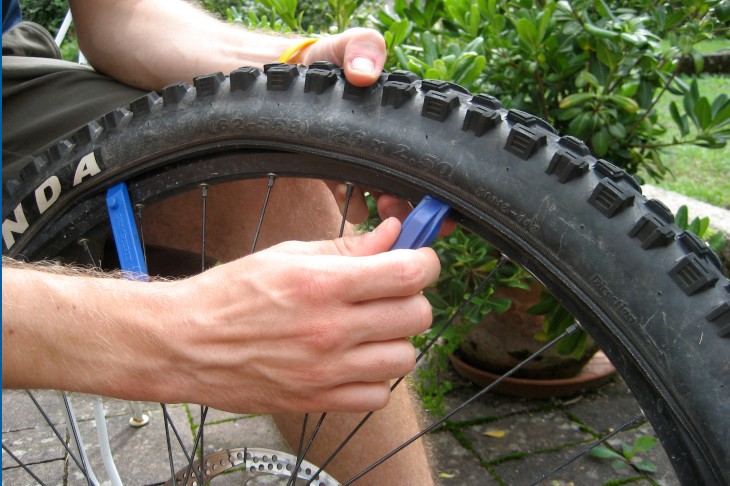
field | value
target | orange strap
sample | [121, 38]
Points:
[291, 54]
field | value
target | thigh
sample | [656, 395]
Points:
[46, 99]
[298, 209]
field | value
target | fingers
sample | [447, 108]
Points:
[396, 273]
[354, 397]
[392, 207]
[390, 319]
[372, 362]
[361, 52]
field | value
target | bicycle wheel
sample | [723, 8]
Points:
[651, 295]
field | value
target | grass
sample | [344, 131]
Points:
[695, 171]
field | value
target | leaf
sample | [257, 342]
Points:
[495, 434]
[430, 49]
[599, 32]
[643, 444]
[500, 305]
[625, 103]
[474, 19]
[576, 99]
[607, 56]
[682, 217]
[474, 71]
[586, 77]
[617, 130]
[527, 32]
[679, 120]
[600, 141]
[398, 30]
[703, 113]
[602, 452]
[717, 241]
[446, 475]
[645, 466]
[603, 9]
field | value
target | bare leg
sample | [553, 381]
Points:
[383, 432]
[298, 210]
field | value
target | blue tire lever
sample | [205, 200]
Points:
[126, 237]
[423, 224]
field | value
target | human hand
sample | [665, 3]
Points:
[318, 326]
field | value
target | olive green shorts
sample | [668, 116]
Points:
[46, 98]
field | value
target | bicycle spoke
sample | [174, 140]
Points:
[204, 218]
[75, 433]
[348, 197]
[139, 208]
[84, 242]
[23, 465]
[197, 442]
[269, 188]
[302, 455]
[634, 421]
[169, 444]
[188, 457]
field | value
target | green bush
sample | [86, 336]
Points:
[47, 13]
[592, 69]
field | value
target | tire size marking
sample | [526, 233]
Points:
[46, 194]
[291, 127]
[428, 162]
[506, 208]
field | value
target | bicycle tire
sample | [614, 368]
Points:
[651, 295]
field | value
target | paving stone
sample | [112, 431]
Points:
[49, 472]
[453, 465]
[20, 413]
[606, 408]
[524, 433]
[32, 446]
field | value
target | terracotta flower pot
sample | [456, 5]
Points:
[501, 341]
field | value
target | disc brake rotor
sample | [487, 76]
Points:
[271, 467]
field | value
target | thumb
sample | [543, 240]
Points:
[379, 240]
[360, 52]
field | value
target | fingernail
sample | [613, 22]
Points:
[362, 64]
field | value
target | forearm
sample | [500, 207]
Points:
[149, 44]
[82, 333]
